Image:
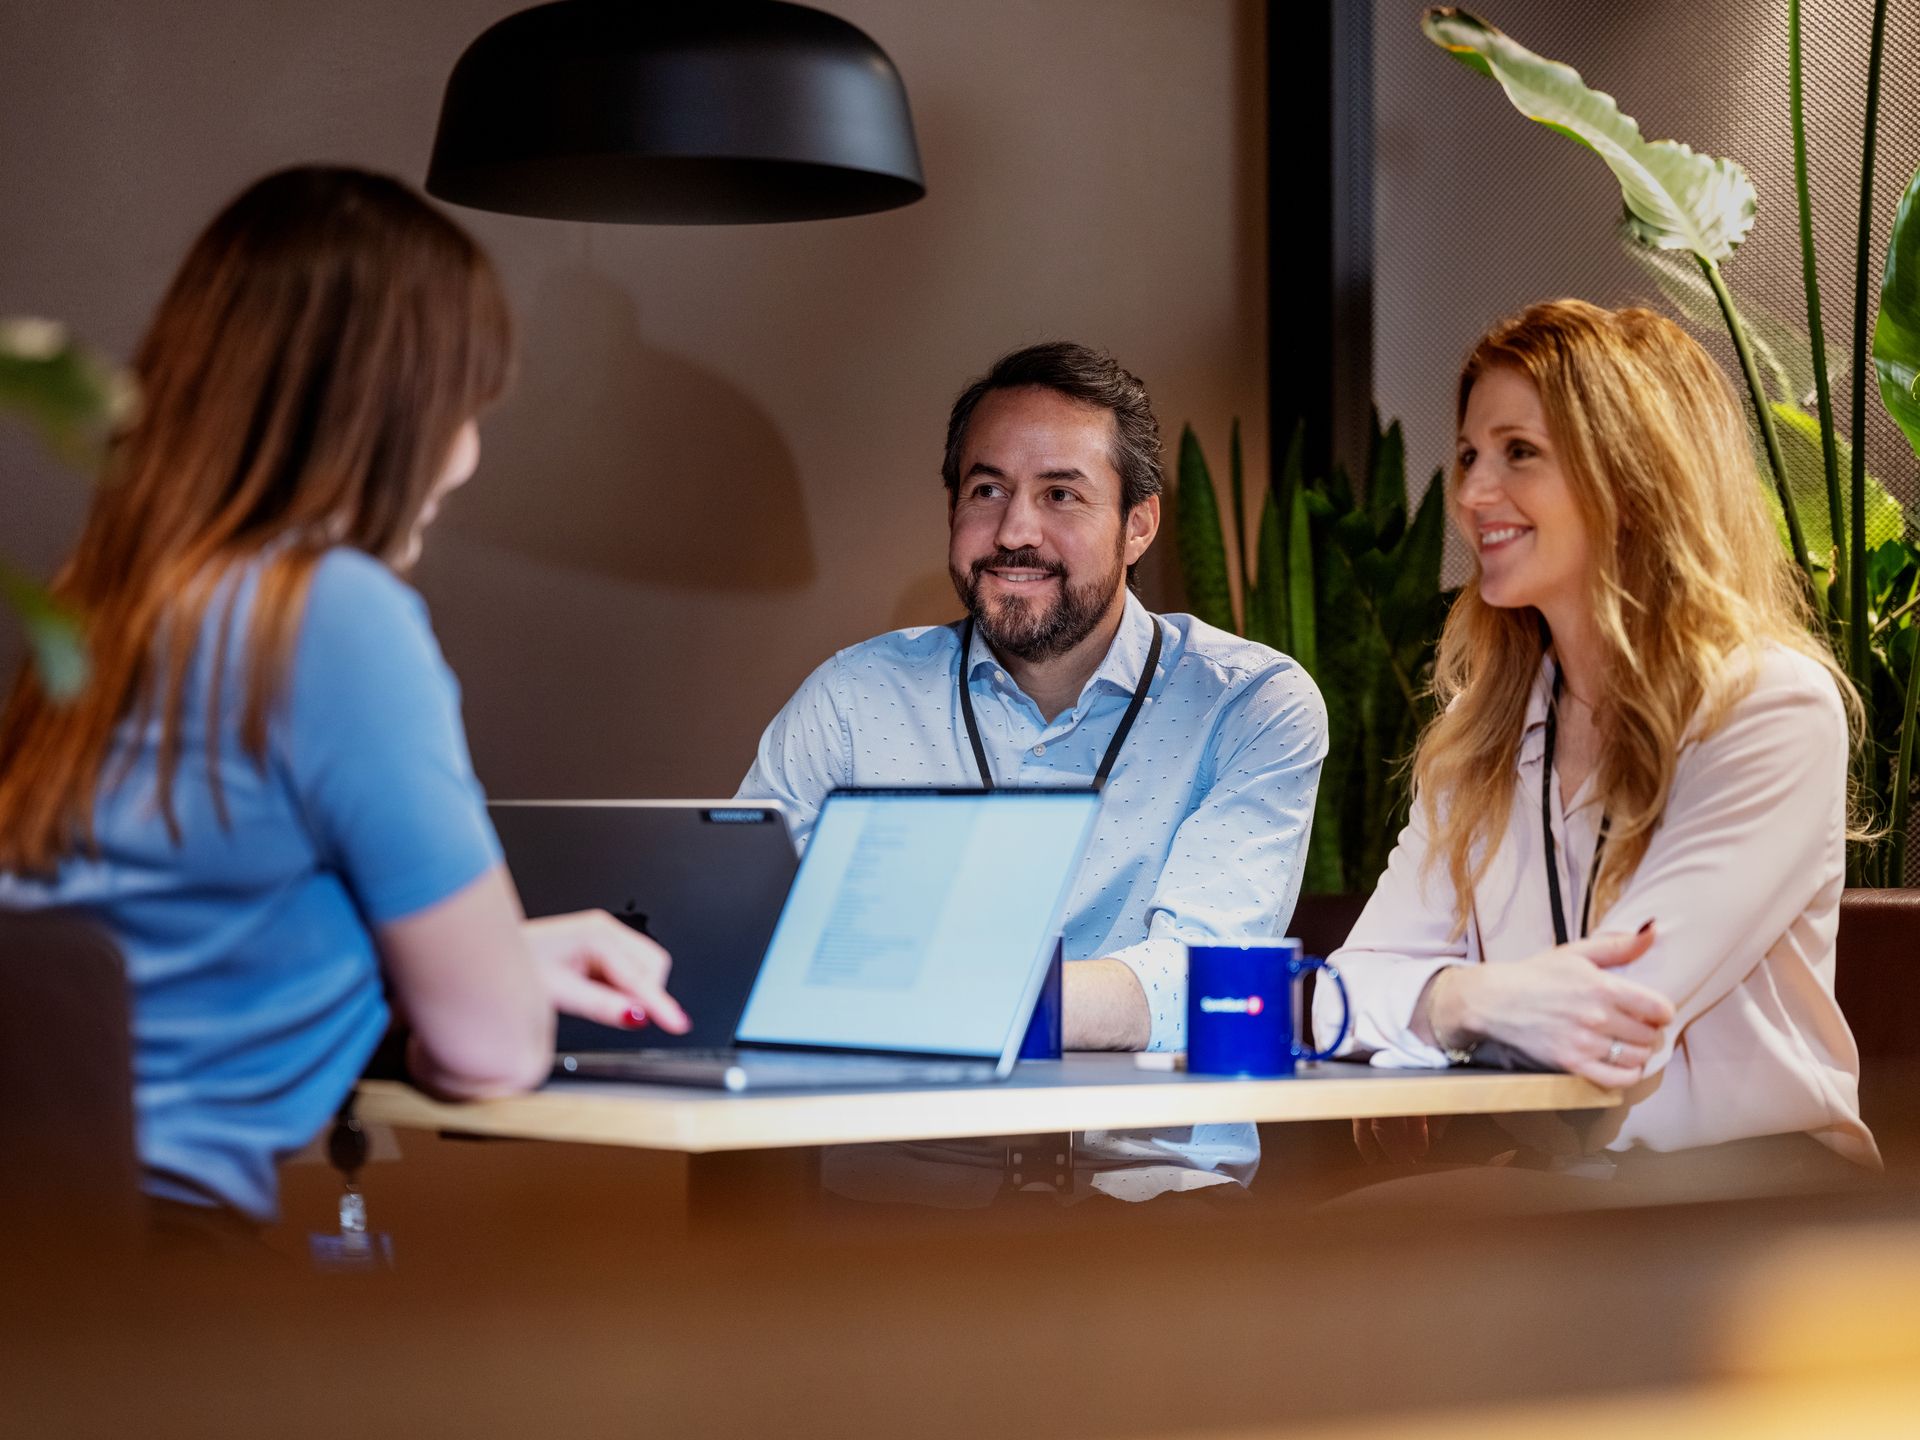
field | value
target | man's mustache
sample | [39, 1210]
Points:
[1018, 560]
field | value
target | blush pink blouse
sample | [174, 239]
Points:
[1742, 879]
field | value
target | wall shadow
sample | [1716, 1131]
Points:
[614, 457]
[927, 600]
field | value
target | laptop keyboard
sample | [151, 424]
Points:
[765, 1069]
[777, 1068]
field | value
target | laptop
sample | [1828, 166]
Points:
[910, 949]
[706, 878]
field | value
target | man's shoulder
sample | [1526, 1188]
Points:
[1259, 685]
[1234, 659]
[917, 649]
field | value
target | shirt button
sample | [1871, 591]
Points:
[1039, 749]
[1001, 676]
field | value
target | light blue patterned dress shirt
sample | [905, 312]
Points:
[1203, 829]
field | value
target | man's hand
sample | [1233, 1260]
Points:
[1102, 1007]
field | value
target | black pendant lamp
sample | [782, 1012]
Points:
[675, 112]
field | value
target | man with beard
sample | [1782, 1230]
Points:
[1053, 477]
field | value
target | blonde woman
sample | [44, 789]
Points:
[1626, 850]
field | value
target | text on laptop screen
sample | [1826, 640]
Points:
[915, 921]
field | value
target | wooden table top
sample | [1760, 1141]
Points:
[1080, 1092]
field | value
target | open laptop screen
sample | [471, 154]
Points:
[918, 920]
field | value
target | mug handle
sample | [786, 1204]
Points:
[1302, 1052]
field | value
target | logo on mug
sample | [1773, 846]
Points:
[1232, 1004]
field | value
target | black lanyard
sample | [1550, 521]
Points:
[1546, 829]
[1119, 736]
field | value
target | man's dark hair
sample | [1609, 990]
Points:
[1079, 373]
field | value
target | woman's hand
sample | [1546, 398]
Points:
[1561, 1007]
[598, 969]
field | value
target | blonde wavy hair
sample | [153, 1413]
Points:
[1688, 570]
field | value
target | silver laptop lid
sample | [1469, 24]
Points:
[921, 921]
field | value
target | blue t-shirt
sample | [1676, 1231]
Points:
[255, 981]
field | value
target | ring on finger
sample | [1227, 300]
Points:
[1614, 1051]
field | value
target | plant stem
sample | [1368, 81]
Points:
[1896, 873]
[1768, 435]
[1859, 658]
[1893, 615]
[1829, 446]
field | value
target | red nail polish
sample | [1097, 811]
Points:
[635, 1018]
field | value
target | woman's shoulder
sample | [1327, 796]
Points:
[1775, 668]
[357, 607]
[1769, 678]
[352, 579]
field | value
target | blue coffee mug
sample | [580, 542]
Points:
[1042, 1040]
[1241, 1003]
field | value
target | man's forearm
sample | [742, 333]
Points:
[1102, 1007]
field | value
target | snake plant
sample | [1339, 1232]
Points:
[1349, 586]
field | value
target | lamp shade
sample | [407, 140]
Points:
[675, 112]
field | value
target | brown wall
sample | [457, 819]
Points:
[721, 461]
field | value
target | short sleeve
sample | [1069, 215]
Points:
[375, 745]
[804, 752]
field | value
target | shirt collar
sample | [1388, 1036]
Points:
[1119, 669]
[1126, 657]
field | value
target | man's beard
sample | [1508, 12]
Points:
[1016, 626]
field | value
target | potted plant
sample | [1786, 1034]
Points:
[1682, 203]
[72, 400]
[1348, 584]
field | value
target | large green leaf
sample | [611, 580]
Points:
[72, 399]
[53, 633]
[1896, 333]
[1266, 593]
[1386, 473]
[1295, 560]
[1675, 199]
[1406, 605]
[1237, 487]
[1806, 477]
[1893, 575]
[1302, 606]
[1203, 552]
[65, 393]
[1345, 667]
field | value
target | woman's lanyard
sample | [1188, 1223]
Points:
[1119, 736]
[1546, 829]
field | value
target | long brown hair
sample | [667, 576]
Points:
[1688, 574]
[301, 387]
